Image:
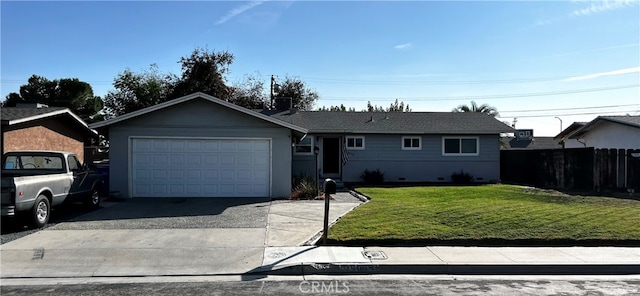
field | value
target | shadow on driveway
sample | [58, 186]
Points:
[152, 213]
[138, 208]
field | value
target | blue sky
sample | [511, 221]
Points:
[571, 59]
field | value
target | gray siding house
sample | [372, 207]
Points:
[406, 147]
[201, 146]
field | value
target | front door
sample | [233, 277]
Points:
[331, 157]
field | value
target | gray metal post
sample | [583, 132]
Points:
[326, 218]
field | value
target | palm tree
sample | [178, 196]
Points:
[484, 108]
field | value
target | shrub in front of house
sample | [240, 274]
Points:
[305, 188]
[374, 177]
[461, 178]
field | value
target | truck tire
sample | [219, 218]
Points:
[41, 212]
[93, 200]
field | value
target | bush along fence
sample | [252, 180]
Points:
[573, 169]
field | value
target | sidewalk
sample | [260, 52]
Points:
[452, 260]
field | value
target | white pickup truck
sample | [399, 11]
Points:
[35, 181]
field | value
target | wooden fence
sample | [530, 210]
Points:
[572, 169]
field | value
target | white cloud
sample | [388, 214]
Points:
[609, 73]
[404, 46]
[238, 10]
[603, 6]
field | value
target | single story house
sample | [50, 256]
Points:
[618, 132]
[199, 145]
[405, 146]
[38, 127]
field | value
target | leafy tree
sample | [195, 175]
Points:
[249, 93]
[204, 71]
[66, 92]
[302, 96]
[396, 106]
[484, 108]
[135, 91]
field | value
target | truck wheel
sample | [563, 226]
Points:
[93, 201]
[41, 212]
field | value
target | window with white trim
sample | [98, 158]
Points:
[355, 143]
[305, 147]
[460, 146]
[411, 143]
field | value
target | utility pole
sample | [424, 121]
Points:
[273, 83]
[515, 120]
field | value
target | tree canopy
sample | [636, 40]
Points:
[484, 108]
[135, 91]
[301, 95]
[397, 106]
[66, 92]
[341, 108]
[202, 71]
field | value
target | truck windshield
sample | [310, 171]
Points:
[32, 162]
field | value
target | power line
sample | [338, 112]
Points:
[569, 114]
[485, 97]
[579, 108]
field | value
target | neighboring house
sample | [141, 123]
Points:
[563, 136]
[199, 145]
[619, 132]
[39, 127]
[405, 146]
[524, 140]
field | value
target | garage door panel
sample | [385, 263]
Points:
[228, 146]
[211, 159]
[160, 174]
[201, 167]
[176, 189]
[244, 160]
[177, 175]
[160, 190]
[211, 174]
[160, 145]
[194, 159]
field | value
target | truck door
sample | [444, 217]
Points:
[80, 181]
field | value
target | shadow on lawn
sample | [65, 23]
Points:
[486, 243]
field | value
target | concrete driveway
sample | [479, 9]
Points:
[168, 236]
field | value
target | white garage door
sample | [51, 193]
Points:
[200, 167]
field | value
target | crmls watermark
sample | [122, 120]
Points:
[324, 287]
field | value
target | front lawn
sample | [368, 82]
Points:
[493, 214]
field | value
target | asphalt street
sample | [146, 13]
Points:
[342, 286]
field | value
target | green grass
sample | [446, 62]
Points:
[410, 215]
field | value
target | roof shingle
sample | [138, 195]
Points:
[395, 122]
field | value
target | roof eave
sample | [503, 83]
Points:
[51, 114]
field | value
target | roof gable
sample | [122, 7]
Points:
[190, 97]
[632, 121]
[17, 115]
[395, 122]
[569, 130]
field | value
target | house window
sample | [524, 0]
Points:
[355, 143]
[460, 146]
[305, 147]
[411, 143]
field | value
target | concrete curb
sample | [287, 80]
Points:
[454, 269]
